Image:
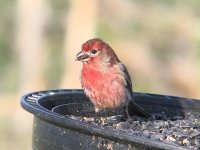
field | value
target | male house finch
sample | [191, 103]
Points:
[105, 79]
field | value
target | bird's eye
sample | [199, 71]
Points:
[93, 51]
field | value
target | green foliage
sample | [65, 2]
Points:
[54, 35]
[105, 31]
[150, 24]
[7, 53]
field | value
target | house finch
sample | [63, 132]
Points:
[105, 79]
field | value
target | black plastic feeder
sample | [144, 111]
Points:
[53, 130]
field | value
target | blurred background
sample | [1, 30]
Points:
[158, 41]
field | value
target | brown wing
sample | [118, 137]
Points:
[133, 108]
[128, 79]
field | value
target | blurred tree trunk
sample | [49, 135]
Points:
[80, 26]
[30, 24]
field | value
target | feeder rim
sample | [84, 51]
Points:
[62, 121]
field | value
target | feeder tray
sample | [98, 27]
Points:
[53, 130]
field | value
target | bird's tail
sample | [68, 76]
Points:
[134, 109]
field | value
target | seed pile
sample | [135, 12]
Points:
[175, 130]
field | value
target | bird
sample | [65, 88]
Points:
[105, 79]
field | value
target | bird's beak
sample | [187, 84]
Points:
[82, 56]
